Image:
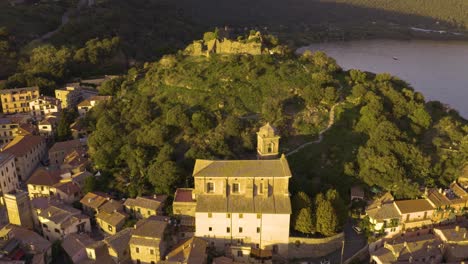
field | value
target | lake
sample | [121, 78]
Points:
[437, 69]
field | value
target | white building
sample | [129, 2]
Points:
[43, 106]
[243, 204]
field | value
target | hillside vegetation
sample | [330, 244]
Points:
[184, 107]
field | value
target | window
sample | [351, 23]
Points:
[241, 215]
[149, 212]
[228, 215]
[210, 215]
[235, 188]
[228, 230]
[241, 229]
[239, 253]
[57, 231]
[258, 229]
[260, 188]
[210, 187]
[210, 229]
[137, 250]
[152, 251]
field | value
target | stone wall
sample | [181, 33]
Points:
[300, 247]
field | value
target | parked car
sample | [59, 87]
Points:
[357, 229]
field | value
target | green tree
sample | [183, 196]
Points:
[327, 222]
[303, 222]
[89, 184]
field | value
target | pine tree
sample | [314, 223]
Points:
[303, 221]
[327, 220]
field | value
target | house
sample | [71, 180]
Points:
[78, 130]
[8, 178]
[418, 249]
[415, 213]
[91, 102]
[59, 220]
[184, 205]
[449, 202]
[148, 244]
[75, 246]
[455, 238]
[17, 100]
[92, 201]
[19, 209]
[383, 214]
[76, 161]
[47, 126]
[49, 183]
[118, 245]
[44, 105]
[60, 150]
[144, 207]
[191, 251]
[244, 203]
[69, 96]
[27, 242]
[28, 151]
[112, 249]
[111, 217]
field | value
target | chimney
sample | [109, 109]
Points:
[405, 244]
[457, 228]
[464, 235]
[440, 190]
[154, 196]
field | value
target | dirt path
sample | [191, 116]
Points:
[65, 19]
[331, 121]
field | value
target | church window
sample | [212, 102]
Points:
[210, 187]
[235, 188]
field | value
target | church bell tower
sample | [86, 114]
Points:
[267, 142]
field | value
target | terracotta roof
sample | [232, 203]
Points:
[45, 177]
[113, 218]
[384, 199]
[146, 202]
[150, 228]
[385, 212]
[6, 120]
[68, 146]
[412, 206]
[111, 205]
[275, 204]
[74, 243]
[357, 191]
[26, 237]
[119, 241]
[458, 190]
[21, 145]
[191, 251]
[94, 200]
[68, 187]
[184, 195]
[438, 199]
[242, 168]
[453, 234]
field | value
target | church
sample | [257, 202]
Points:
[242, 205]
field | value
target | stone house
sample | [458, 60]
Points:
[455, 238]
[19, 209]
[190, 251]
[92, 201]
[69, 96]
[60, 150]
[44, 105]
[184, 205]
[17, 100]
[415, 213]
[383, 214]
[75, 246]
[91, 102]
[148, 243]
[144, 207]
[8, 179]
[111, 217]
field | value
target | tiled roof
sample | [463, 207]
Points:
[94, 200]
[45, 177]
[458, 190]
[275, 204]
[68, 146]
[113, 218]
[184, 195]
[119, 241]
[454, 234]
[386, 211]
[68, 187]
[27, 237]
[386, 198]
[74, 243]
[267, 131]
[413, 206]
[438, 199]
[5, 157]
[150, 228]
[192, 250]
[146, 202]
[242, 168]
[21, 145]
[111, 205]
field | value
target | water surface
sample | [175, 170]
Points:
[437, 69]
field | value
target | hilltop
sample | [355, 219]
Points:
[189, 105]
